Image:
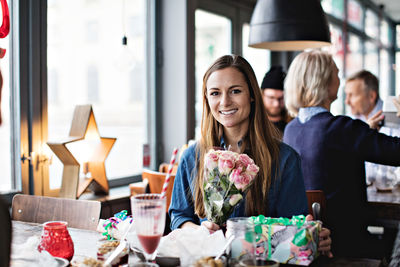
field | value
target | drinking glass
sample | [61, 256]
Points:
[148, 212]
[56, 240]
[243, 245]
[259, 262]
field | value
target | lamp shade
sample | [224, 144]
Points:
[288, 25]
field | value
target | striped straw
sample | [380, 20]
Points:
[168, 177]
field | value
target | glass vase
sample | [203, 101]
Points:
[56, 240]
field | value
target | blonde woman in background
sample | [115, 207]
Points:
[333, 150]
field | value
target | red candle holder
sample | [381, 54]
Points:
[56, 240]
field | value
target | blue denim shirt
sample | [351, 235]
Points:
[287, 194]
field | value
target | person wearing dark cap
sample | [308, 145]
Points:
[272, 86]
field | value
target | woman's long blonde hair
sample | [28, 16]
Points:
[261, 139]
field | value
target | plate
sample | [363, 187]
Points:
[34, 262]
[160, 260]
[61, 262]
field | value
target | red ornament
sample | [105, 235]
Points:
[5, 26]
[56, 240]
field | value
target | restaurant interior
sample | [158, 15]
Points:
[105, 113]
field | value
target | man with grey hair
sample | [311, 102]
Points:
[362, 95]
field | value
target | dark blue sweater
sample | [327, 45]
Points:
[333, 150]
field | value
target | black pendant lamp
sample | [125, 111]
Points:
[288, 25]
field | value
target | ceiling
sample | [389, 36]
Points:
[390, 7]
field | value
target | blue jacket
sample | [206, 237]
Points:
[286, 195]
[333, 150]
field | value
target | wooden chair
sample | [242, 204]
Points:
[164, 168]
[139, 187]
[316, 196]
[83, 214]
[156, 182]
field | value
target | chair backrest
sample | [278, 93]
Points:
[164, 168]
[317, 196]
[83, 214]
[156, 182]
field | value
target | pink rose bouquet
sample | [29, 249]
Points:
[227, 175]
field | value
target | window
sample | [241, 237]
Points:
[92, 85]
[398, 35]
[369, 43]
[89, 74]
[384, 88]
[385, 33]
[259, 59]
[371, 58]
[92, 31]
[136, 84]
[337, 51]
[52, 87]
[354, 55]
[397, 73]
[213, 39]
[371, 24]
[355, 14]
[333, 7]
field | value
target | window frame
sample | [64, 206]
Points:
[29, 76]
[347, 29]
[239, 13]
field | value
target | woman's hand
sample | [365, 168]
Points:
[375, 120]
[212, 227]
[325, 241]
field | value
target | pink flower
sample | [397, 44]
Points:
[211, 160]
[240, 179]
[252, 170]
[226, 162]
[244, 160]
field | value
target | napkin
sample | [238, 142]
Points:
[196, 244]
[187, 244]
[29, 254]
[115, 232]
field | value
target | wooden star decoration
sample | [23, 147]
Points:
[83, 129]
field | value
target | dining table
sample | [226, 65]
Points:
[85, 246]
[384, 206]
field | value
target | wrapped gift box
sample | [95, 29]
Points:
[292, 241]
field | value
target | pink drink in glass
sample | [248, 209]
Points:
[148, 211]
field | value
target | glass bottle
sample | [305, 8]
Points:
[243, 245]
[56, 240]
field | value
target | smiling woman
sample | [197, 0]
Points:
[234, 115]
